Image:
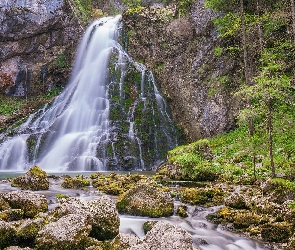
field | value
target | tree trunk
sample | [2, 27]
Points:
[269, 126]
[246, 68]
[260, 31]
[293, 18]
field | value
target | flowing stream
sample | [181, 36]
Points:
[206, 235]
[109, 117]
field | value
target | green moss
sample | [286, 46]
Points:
[76, 182]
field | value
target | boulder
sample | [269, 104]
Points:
[11, 214]
[7, 234]
[102, 210]
[105, 218]
[124, 241]
[276, 232]
[236, 200]
[167, 236]
[30, 203]
[35, 179]
[146, 200]
[28, 230]
[69, 232]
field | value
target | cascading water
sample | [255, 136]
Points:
[109, 117]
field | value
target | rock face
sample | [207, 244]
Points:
[180, 51]
[146, 200]
[37, 41]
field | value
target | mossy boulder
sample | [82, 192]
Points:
[148, 225]
[236, 200]
[35, 179]
[146, 200]
[124, 241]
[276, 232]
[203, 196]
[102, 210]
[28, 230]
[3, 204]
[167, 236]
[105, 218]
[115, 184]
[75, 182]
[11, 214]
[69, 232]
[7, 234]
[245, 219]
[181, 211]
[30, 203]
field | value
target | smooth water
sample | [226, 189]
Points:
[75, 132]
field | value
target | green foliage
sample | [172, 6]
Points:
[61, 60]
[184, 6]
[62, 196]
[133, 4]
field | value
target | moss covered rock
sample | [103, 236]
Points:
[34, 179]
[181, 211]
[77, 182]
[102, 211]
[276, 232]
[167, 236]
[236, 200]
[69, 232]
[124, 241]
[7, 234]
[203, 196]
[146, 200]
[11, 214]
[28, 230]
[30, 203]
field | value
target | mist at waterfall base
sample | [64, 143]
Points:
[110, 116]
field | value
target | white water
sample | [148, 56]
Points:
[78, 119]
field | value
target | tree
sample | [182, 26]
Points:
[271, 87]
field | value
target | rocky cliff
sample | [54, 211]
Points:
[180, 50]
[37, 42]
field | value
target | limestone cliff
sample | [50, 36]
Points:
[181, 53]
[37, 42]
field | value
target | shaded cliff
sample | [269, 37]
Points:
[180, 50]
[37, 44]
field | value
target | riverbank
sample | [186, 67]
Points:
[208, 200]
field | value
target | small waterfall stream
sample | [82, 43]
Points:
[109, 117]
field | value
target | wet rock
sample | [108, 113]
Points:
[11, 214]
[148, 225]
[77, 182]
[142, 246]
[203, 196]
[146, 200]
[181, 211]
[35, 179]
[28, 230]
[276, 232]
[167, 236]
[124, 241]
[105, 218]
[7, 234]
[236, 200]
[69, 232]
[30, 203]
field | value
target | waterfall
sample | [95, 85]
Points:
[99, 121]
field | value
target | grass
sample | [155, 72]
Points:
[229, 156]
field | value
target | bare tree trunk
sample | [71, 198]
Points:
[269, 125]
[293, 18]
[246, 68]
[260, 31]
